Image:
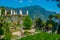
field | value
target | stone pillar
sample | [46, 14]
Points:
[0, 12]
[11, 11]
[27, 12]
[5, 12]
[20, 12]
[14, 12]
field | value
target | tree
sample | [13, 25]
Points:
[51, 24]
[38, 23]
[50, 20]
[1, 30]
[27, 22]
[7, 36]
[50, 17]
[3, 10]
[7, 31]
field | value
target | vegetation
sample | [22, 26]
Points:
[1, 32]
[27, 32]
[50, 21]
[27, 22]
[57, 15]
[7, 36]
[3, 10]
[38, 23]
[42, 36]
[7, 31]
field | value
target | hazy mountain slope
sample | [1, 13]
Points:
[34, 11]
[37, 11]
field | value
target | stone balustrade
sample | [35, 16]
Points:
[12, 12]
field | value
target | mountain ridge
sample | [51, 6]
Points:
[35, 11]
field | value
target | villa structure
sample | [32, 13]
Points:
[13, 12]
[13, 16]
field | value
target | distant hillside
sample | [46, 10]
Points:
[37, 11]
[58, 15]
[34, 11]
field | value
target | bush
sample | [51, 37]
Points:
[27, 22]
[1, 31]
[26, 32]
[7, 36]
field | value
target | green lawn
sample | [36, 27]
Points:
[42, 36]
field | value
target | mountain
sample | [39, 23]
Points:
[57, 15]
[35, 11]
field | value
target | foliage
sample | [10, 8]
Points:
[50, 16]
[6, 26]
[51, 23]
[42, 36]
[38, 23]
[57, 15]
[7, 33]
[26, 32]
[1, 31]
[7, 36]
[27, 22]
[3, 10]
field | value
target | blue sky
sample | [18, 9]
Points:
[51, 6]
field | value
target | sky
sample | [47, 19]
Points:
[51, 6]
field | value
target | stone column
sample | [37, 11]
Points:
[5, 12]
[0, 12]
[20, 12]
[14, 12]
[27, 12]
[11, 11]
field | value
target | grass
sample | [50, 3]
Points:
[17, 29]
[42, 36]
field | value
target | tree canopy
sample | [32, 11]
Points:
[38, 23]
[27, 22]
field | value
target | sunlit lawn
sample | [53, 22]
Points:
[42, 36]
